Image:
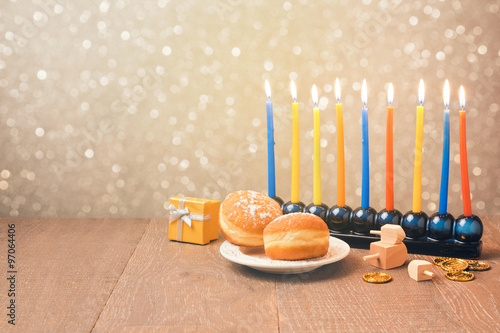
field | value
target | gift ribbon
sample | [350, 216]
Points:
[182, 214]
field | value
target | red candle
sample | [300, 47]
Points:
[389, 173]
[463, 156]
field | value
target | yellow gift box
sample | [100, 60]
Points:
[193, 220]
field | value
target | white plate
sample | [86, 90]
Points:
[256, 258]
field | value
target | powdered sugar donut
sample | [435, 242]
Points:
[296, 236]
[245, 214]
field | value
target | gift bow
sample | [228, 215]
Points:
[180, 213]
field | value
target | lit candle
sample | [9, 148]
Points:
[295, 145]
[365, 188]
[463, 156]
[417, 171]
[389, 168]
[443, 195]
[340, 149]
[317, 157]
[271, 180]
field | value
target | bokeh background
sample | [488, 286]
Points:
[108, 108]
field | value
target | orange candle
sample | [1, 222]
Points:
[463, 157]
[340, 149]
[389, 167]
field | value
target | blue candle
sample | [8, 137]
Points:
[271, 179]
[443, 195]
[365, 188]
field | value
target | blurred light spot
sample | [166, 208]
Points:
[41, 74]
[435, 13]
[89, 153]
[184, 164]
[104, 7]
[482, 49]
[268, 65]
[4, 185]
[166, 50]
[177, 30]
[39, 132]
[86, 44]
[125, 35]
[208, 50]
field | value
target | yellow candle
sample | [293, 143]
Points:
[340, 149]
[317, 158]
[295, 145]
[417, 171]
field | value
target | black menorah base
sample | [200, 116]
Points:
[440, 235]
[424, 245]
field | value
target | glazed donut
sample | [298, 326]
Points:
[296, 236]
[244, 215]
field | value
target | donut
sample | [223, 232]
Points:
[296, 236]
[244, 215]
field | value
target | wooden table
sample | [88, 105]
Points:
[115, 275]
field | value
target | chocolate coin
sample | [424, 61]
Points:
[439, 260]
[454, 264]
[478, 266]
[377, 277]
[460, 276]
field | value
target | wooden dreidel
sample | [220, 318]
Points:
[420, 270]
[390, 233]
[386, 256]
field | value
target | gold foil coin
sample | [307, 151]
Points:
[438, 261]
[460, 276]
[454, 264]
[478, 266]
[377, 277]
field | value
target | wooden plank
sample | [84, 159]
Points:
[66, 270]
[476, 303]
[335, 298]
[185, 287]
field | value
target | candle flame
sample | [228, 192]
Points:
[314, 93]
[421, 92]
[364, 93]
[390, 94]
[462, 97]
[268, 90]
[337, 90]
[446, 95]
[293, 89]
